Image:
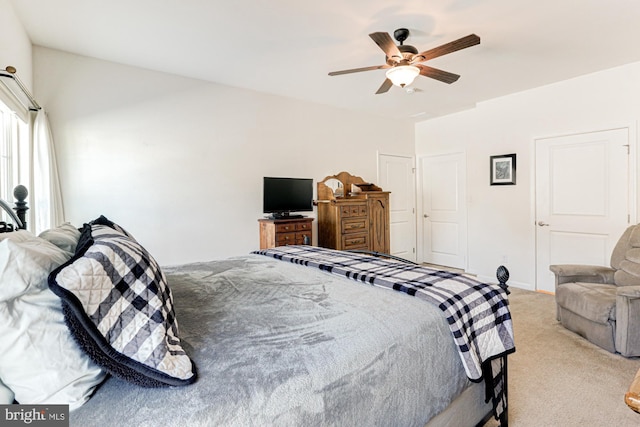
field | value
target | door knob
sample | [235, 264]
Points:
[542, 224]
[426, 216]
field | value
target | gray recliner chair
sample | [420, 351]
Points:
[602, 304]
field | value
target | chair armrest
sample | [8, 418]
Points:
[628, 322]
[631, 292]
[582, 273]
[632, 398]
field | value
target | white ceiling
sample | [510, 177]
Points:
[287, 47]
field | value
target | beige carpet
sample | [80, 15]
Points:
[557, 378]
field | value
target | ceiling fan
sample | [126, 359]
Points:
[403, 61]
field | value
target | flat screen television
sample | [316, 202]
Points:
[281, 196]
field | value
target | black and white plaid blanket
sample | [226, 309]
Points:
[478, 313]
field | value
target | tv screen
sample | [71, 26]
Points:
[285, 195]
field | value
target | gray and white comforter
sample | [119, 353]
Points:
[477, 313]
[278, 344]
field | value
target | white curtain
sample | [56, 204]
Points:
[45, 190]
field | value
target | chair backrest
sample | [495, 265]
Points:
[625, 258]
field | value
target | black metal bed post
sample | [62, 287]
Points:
[504, 417]
[21, 193]
[502, 274]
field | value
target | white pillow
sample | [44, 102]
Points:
[17, 236]
[6, 395]
[64, 236]
[39, 361]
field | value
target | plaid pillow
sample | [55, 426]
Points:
[85, 240]
[119, 308]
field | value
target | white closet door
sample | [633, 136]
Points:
[397, 175]
[444, 210]
[582, 199]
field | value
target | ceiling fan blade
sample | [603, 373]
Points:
[357, 70]
[434, 73]
[463, 43]
[386, 85]
[385, 42]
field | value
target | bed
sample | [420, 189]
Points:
[289, 336]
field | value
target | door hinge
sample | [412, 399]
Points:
[628, 148]
[413, 170]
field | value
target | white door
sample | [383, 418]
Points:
[444, 210]
[582, 199]
[397, 175]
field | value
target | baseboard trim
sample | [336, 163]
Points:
[511, 283]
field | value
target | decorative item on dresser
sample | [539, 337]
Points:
[282, 232]
[352, 214]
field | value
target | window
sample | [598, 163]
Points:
[14, 146]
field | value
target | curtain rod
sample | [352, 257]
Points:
[10, 73]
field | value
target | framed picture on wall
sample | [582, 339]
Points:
[503, 169]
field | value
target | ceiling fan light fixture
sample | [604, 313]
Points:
[403, 75]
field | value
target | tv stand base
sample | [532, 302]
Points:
[285, 216]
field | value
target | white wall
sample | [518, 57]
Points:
[501, 218]
[15, 46]
[16, 51]
[179, 162]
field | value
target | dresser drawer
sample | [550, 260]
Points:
[359, 210]
[285, 239]
[303, 237]
[355, 241]
[288, 227]
[354, 225]
[351, 211]
[345, 211]
[302, 226]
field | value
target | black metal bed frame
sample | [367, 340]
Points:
[19, 217]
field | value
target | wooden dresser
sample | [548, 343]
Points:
[282, 232]
[352, 219]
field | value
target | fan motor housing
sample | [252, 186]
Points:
[408, 53]
[405, 48]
